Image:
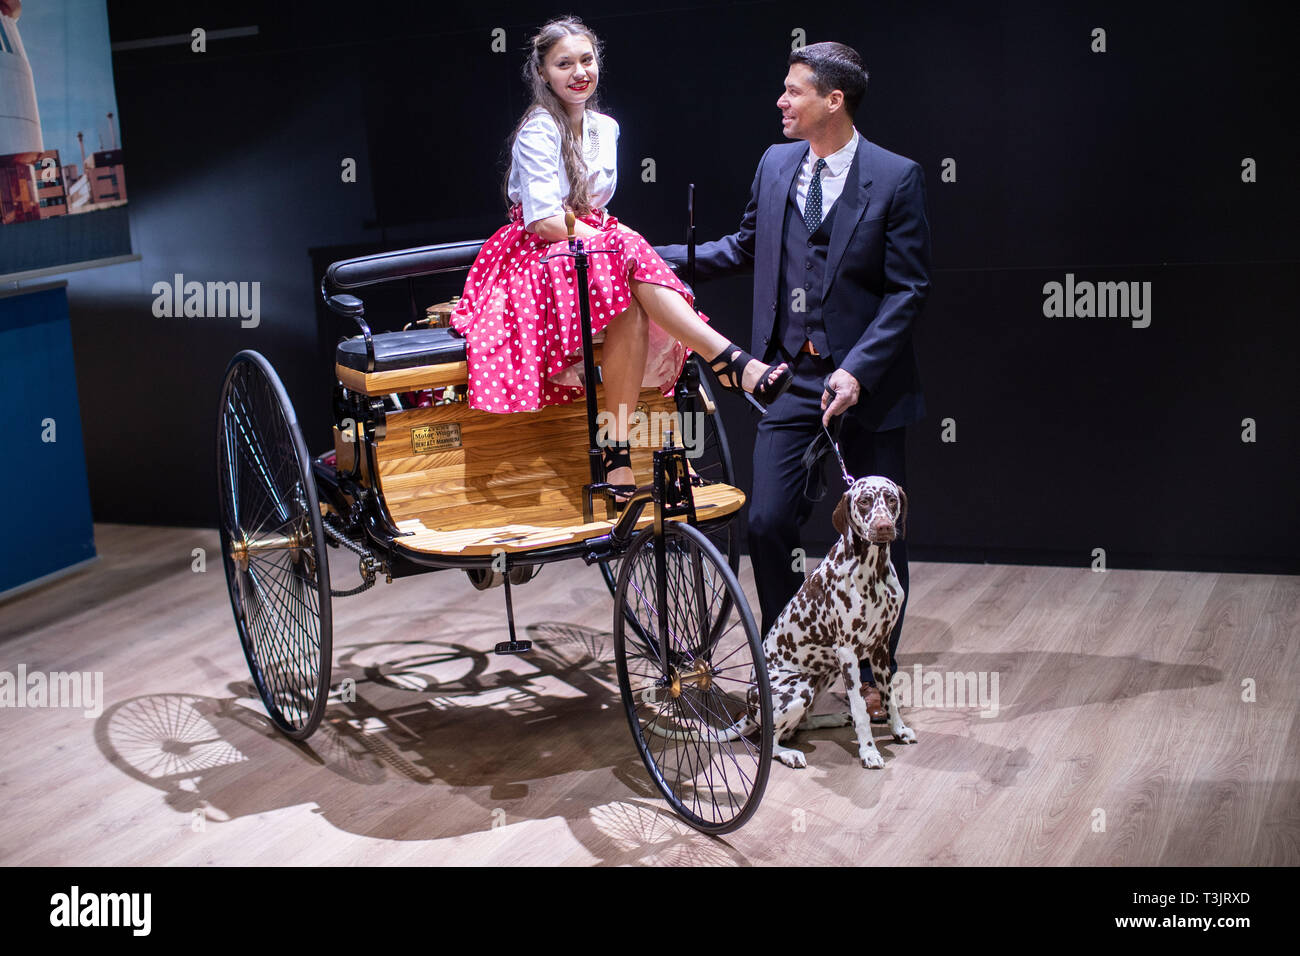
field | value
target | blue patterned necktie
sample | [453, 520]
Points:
[812, 207]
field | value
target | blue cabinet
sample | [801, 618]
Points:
[46, 528]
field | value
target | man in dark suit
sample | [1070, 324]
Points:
[838, 241]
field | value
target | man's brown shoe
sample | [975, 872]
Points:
[875, 707]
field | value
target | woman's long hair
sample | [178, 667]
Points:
[543, 97]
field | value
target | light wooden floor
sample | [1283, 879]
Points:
[1121, 737]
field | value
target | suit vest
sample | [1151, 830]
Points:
[803, 278]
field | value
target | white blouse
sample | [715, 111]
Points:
[537, 177]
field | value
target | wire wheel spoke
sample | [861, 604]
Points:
[273, 545]
[693, 678]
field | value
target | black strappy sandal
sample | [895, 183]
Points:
[618, 454]
[729, 367]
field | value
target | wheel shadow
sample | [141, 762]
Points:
[424, 740]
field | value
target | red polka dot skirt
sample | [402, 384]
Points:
[520, 318]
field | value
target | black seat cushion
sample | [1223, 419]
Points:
[403, 349]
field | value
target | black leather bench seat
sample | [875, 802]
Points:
[394, 350]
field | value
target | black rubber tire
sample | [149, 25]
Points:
[280, 597]
[725, 678]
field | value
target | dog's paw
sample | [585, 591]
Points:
[905, 735]
[871, 759]
[792, 758]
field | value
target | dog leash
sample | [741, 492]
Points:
[826, 441]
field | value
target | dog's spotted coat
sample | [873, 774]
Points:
[843, 614]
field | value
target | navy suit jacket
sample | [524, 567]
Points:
[877, 272]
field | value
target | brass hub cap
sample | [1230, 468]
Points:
[241, 550]
[701, 676]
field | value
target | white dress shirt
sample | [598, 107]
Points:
[834, 173]
[537, 177]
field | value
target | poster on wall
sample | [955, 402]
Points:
[63, 180]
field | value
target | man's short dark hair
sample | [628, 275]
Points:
[834, 66]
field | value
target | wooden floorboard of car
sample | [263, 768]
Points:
[711, 501]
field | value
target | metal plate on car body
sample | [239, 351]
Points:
[441, 437]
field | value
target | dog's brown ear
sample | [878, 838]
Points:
[841, 517]
[901, 525]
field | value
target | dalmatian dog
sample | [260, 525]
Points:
[844, 613]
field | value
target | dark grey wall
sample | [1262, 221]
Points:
[1072, 433]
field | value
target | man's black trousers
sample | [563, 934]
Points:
[778, 507]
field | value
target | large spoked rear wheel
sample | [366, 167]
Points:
[273, 546]
[701, 713]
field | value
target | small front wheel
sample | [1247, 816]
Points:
[693, 677]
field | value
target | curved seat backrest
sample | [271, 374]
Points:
[402, 264]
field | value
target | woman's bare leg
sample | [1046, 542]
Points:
[668, 310]
[622, 370]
